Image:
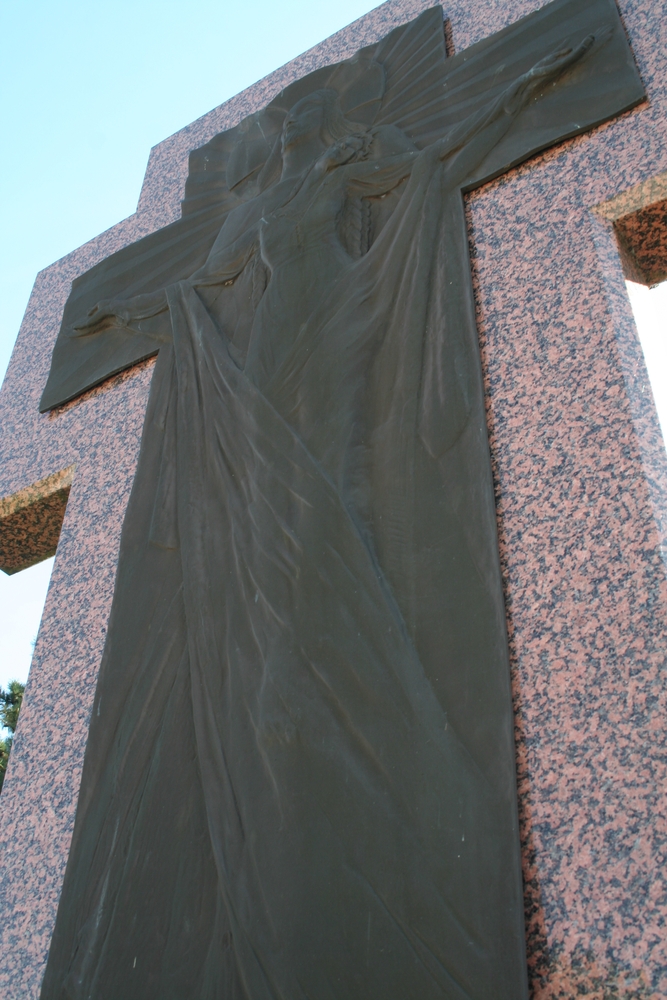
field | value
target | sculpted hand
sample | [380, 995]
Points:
[546, 69]
[352, 147]
[105, 309]
[559, 61]
[121, 311]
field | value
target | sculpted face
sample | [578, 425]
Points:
[304, 121]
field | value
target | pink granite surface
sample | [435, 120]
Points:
[643, 236]
[581, 486]
[581, 481]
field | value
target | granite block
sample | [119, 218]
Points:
[580, 475]
[30, 521]
[642, 237]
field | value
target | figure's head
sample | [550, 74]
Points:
[318, 115]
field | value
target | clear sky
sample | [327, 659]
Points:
[86, 88]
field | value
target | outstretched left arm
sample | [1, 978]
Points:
[469, 142]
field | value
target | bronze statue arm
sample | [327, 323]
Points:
[469, 142]
[121, 312]
[464, 147]
[223, 264]
[368, 177]
[376, 177]
[226, 261]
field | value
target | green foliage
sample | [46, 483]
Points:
[10, 706]
[5, 747]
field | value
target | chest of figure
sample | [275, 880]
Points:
[308, 224]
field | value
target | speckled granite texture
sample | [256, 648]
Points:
[581, 482]
[643, 238]
[640, 223]
[30, 521]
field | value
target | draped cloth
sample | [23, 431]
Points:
[281, 796]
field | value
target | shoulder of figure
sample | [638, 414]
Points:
[389, 140]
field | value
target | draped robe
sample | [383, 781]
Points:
[299, 779]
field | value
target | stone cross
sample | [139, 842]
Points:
[581, 487]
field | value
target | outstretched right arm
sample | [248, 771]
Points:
[121, 312]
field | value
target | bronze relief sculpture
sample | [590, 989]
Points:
[299, 779]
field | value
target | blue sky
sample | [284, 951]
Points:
[86, 89]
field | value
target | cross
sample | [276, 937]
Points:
[128, 400]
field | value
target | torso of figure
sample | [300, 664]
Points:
[306, 226]
[310, 206]
[300, 245]
[296, 255]
[295, 228]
